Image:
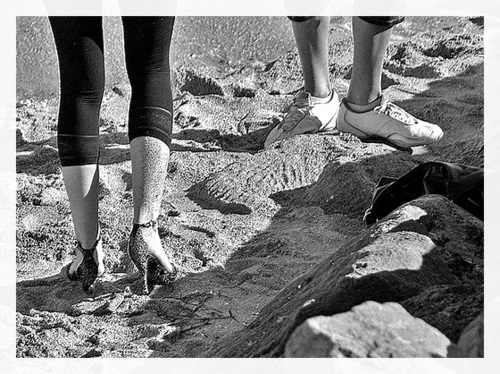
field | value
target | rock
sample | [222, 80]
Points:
[418, 246]
[471, 342]
[368, 330]
[449, 308]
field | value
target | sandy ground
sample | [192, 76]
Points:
[241, 222]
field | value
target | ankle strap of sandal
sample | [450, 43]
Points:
[151, 223]
[91, 248]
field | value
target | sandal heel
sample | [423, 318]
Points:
[149, 267]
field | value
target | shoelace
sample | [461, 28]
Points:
[396, 112]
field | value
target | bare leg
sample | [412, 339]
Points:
[370, 44]
[314, 109]
[364, 115]
[82, 186]
[311, 38]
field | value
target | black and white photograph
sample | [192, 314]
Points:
[282, 186]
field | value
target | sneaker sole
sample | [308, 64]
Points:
[401, 145]
[386, 141]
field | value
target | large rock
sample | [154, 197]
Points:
[420, 245]
[368, 330]
[449, 308]
[471, 342]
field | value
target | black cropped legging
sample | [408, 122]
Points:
[79, 45]
[379, 21]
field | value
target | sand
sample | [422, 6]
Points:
[241, 222]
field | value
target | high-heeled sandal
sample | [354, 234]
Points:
[87, 266]
[145, 261]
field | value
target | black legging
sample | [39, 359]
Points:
[79, 44]
[379, 21]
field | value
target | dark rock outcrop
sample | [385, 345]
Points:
[423, 244]
[443, 307]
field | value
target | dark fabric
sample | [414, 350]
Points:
[380, 21]
[79, 45]
[147, 45]
[383, 21]
[299, 19]
[150, 121]
[78, 149]
[462, 184]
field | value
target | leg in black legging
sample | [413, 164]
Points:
[147, 49]
[147, 45]
[79, 44]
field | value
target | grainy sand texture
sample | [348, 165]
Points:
[240, 221]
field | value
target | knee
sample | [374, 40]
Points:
[86, 92]
[155, 71]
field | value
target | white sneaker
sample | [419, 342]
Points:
[388, 124]
[307, 114]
